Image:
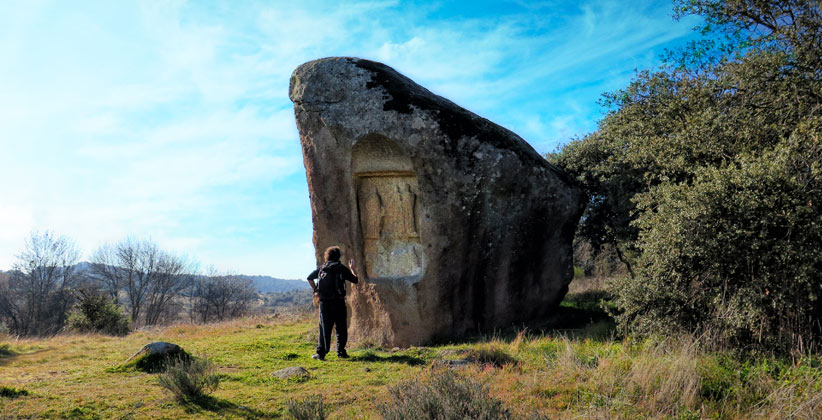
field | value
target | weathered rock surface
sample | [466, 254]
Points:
[154, 357]
[453, 364]
[158, 348]
[456, 223]
[289, 372]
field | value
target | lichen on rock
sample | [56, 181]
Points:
[154, 357]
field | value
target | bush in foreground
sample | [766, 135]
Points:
[309, 408]
[445, 396]
[189, 379]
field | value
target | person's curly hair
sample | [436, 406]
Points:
[333, 253]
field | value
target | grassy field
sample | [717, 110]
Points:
[570, 367]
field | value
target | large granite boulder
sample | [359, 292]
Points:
[456, 224]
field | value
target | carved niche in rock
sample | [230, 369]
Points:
[388, 207]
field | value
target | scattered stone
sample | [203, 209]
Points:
[451, 352]
[154, 357]
[455, 222]
[291, 372]
[453, 364]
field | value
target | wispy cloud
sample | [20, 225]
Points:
[170, 119]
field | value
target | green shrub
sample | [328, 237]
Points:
[189, 379]
[445, 396]
[95, 312]
[309, 408]
[738, 252]
[5, 350]
[12, 392]
[705, 176]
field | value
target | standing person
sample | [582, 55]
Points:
[331, 291]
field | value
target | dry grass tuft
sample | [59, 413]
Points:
[189, 379]
[308, 408]
[493, 354]
[657, 380]
[586, 284]
[800, 399]
[665, 375]
[445, 396]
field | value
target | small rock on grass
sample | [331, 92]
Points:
[154, 357]
[290, 372]
[453, 364]
[451, 352]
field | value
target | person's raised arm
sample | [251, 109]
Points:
[314, 274]
[354, 278]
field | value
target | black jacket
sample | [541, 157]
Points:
[332, 284]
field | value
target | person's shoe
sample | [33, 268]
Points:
[342, 355]
[318, 356]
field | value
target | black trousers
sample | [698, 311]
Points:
[332, 312]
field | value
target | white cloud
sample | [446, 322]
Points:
[170, 119]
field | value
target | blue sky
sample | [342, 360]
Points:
[170, 120]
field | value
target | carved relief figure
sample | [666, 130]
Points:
[388, 217]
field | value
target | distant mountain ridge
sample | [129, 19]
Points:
[268, 284]
[263, 284]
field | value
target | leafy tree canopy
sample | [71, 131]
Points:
[706, 174]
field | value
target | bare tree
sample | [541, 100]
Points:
[36, 295]
[172, 276]
[9, 304]
[217, 297]
[105, 270]
[149, 277]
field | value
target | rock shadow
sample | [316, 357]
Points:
[371, 356]
[7, 355]
[580, 317]
[7, 358]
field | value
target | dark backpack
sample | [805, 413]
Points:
[331, 282]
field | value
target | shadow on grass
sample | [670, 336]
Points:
[370, 356]
[579, 315]
[6, 359]
[12, 392]
[582, 315]
[579, 323]
[7, 354]
[6, 351]
[224, 408]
